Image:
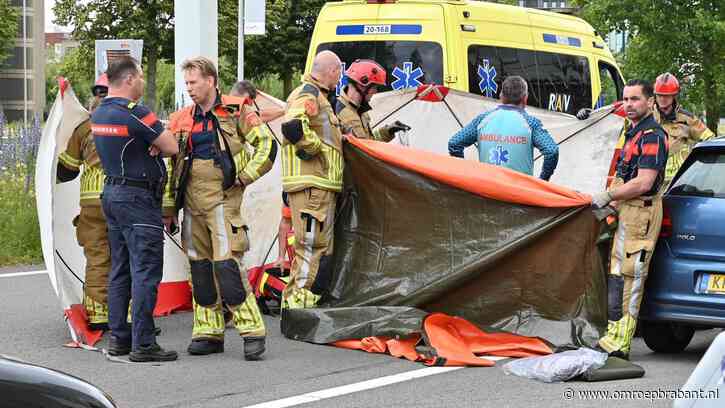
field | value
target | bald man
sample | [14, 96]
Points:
[312, 177]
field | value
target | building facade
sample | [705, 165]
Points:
[22, 77]
[58, 44]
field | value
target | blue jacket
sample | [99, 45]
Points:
[506, 137]
[123, 132]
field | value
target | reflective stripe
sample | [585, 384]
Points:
[262, 282]
[307, 245]
[637, 284]
[92, 180]
[186, 235]
[69, 161]
[618, 258]
[293, 182]
[168, 200]
[247, 318]
[221, 230]
[261, 155]
[96, 312]
[327, 130]
[148, 226]
[208, 322]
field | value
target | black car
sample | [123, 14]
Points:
[25, 385]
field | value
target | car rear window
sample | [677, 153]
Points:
[703, 177]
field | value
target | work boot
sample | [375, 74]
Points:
[615, 353]
[620, 354]
[98, 326]
[204, 347]
[157, 331]
[253, 347]
[117, 347]
[152, 352]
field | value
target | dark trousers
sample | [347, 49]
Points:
[136, 236]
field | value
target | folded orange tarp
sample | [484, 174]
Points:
[486, 180]
[452, 341]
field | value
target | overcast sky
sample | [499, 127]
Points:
[49, 18]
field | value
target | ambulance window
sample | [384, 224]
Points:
[489, 66]
[611, 84]
[408, 63]
[565, 82]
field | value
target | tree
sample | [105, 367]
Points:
[282, 50]
[8, 29]
[680, 36]
[75, 68]
[147, 20]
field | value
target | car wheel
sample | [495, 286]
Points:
[666, 337]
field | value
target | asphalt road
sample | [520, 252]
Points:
[32, 328]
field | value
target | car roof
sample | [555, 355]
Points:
[716, 142]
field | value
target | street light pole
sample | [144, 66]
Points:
[240, 42]
[24, 16]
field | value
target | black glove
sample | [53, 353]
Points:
[583, 113]
[398, 126]
[303, 154]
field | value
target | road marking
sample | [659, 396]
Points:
[15, 274]
[357, 387]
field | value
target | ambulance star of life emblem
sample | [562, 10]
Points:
[343, 80]
[498, 155]
[487, 85]
[406, 77]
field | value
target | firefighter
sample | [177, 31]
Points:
[245, 89]
[312, 165]
[128, 138]
[91, 231]
[353, 105]
[637, 192]
[683, 128]
[210, 174]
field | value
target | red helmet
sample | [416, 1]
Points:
[101, 84]
[667, 84]
[366, 72]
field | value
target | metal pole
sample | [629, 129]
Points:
[240, 42]
[25, 61]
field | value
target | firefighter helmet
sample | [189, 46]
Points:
[366, 72]
[101, 85]
[667, 84]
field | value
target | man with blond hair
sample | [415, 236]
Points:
[224, 147]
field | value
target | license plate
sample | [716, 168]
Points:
[716, 283]
[377, 29]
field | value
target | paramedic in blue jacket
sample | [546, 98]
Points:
[507, 135]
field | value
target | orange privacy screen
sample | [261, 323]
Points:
[454, 341]
[482, 179]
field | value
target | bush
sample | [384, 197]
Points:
[20, 242]
[19, 230]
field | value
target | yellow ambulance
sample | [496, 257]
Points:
[472, 46]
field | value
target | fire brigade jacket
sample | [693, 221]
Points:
[81, 151]
[237, 127]
[312, 147]
[684, 130]
[356, 120]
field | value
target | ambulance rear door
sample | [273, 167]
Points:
[496, 43]
[408, 40]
